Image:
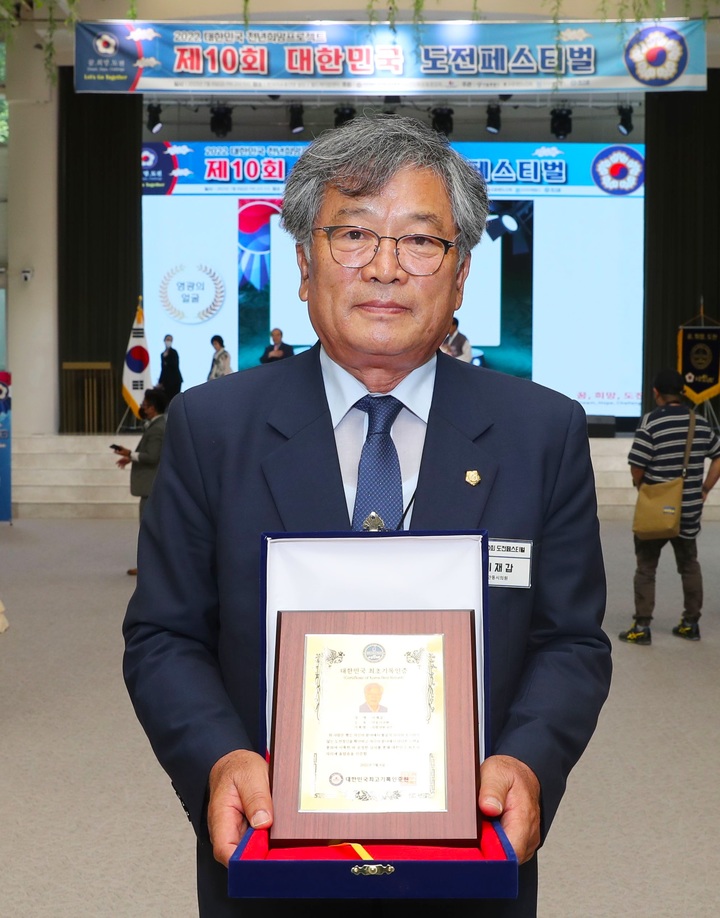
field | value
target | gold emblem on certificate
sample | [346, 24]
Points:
[374, 731]
[373, 724]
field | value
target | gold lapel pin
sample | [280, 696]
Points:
[473, 477]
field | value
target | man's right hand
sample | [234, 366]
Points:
[239, 796]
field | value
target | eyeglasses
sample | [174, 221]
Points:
[356, 246]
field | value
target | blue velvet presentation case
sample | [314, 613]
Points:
[313, 572]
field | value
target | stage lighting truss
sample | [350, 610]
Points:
[561, 122]
[442, 120]
[625, 124]
[343, 114]
[154, 118]
[297, 123]
[493, 123]
[221, 120]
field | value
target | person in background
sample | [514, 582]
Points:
[384, 214]
[220, 365]
[657, 454]
[145, 458]
[278, 349]
[170, 380]
[456, 344]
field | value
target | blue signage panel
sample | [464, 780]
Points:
[527, 170]
[453, 58]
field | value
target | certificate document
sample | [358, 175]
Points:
[373, 724]
[374, 730]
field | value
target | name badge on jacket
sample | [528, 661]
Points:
[510, 563]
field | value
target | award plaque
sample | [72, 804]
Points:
[374, 727]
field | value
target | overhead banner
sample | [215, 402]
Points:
[335, 59]
[699, 361]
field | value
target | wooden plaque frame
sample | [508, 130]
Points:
[459, 822]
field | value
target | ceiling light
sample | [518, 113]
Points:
[221, 120]
[297, 125]
[442, 120]
[390, 103]
[493, 123]
[561, 122]
[625, 124]
[343, 114]
[154, 121]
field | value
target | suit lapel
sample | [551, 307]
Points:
[454, 454]
[304, 473]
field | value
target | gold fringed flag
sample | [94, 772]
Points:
[699, 361]
[136, 371]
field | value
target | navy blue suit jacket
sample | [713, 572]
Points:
[255, 452]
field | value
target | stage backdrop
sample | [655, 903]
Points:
[555, 292]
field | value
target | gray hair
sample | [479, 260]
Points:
[361, 157]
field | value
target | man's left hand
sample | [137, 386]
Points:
[510, 790]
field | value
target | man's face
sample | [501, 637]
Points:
[379, 316]
[276, 336]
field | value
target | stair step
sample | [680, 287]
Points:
[74, 476]
[98, 510]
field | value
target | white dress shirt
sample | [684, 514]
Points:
[350, 424]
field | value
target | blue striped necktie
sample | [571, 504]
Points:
[379, 488]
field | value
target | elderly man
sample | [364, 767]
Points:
[384, 214]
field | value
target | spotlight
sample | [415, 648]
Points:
[154, 121]
[442, 120]
[561, 122]
[221, 120]
[497, 226]
[625, 124]
[493, 123]
[343, 114]
[297, 125]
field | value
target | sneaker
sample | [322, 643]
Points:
[688, 630]
[636, 634]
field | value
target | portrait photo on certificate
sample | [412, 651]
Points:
[374, 725]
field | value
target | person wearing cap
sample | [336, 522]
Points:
[657, 455]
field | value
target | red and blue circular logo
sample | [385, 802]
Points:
[106, 44]
[137, 359]
[148, 158]
[656, 56]
[618, 170]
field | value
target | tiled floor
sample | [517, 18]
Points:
[91, 827]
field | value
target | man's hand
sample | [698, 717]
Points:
[122, 462]
[509, 789]
[239, 795]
